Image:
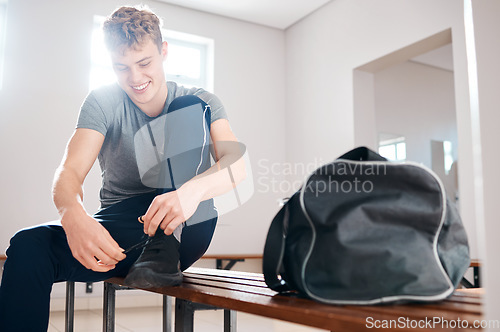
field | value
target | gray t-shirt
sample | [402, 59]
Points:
[110, 111]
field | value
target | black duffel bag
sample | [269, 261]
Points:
[363, 230]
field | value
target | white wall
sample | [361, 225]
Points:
[417, 102]
[486, 135]
[46, 79]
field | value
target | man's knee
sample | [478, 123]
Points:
[30, 245]
[186, 101]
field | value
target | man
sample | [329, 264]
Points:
[167, 204]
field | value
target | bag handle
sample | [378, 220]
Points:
[274, 251]
[362, 153]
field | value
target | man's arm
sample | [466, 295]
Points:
[87, 238]
[169, 210]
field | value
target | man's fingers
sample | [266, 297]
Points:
[93, 264]
[156, 220]
[111, 249]
[102, 258]
[103, 255]
[150, 213]
[167, 220]
[173, 224]
[106, 260]
[99, 267]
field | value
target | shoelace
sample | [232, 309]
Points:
[139, 245]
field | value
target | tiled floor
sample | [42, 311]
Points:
[150, 319]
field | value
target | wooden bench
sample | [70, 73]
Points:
[247, 292]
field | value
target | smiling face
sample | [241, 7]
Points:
[140, 74]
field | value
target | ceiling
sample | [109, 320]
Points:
[441, 57]
[273, 13]
[281, 14]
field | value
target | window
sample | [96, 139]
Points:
[3, 28]
[448, 156]
[392, 147]
[189, 61]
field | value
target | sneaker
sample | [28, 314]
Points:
[158, 265]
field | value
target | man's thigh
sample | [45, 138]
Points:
[121, 221]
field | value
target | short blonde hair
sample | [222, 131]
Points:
[131, 27]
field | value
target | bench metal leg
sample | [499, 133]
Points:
[476, 282]
[184, 316]
[184, 312]
[89, 287]
[230, 263]
[69, 315]
[167, 313]
[477, 277]
[229, 320]
[109, 308]
[466, 283]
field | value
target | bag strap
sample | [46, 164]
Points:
[362, 153]
[274, 251]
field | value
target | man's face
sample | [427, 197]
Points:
[140, 73]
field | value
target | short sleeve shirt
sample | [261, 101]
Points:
[111, 112]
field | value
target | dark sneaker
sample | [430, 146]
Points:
[158, 264]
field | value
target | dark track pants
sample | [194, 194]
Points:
[40, 256]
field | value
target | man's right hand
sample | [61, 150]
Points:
[90, 243]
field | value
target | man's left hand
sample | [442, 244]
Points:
[171, 209]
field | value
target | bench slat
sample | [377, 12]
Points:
[222, 284]
[459, 303]
[247, 292]
[225, 273]
[229, 280]
[464, 300]
[421, 311]
[233, 257]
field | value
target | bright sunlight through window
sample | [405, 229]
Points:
[393, 149]
[189, 61]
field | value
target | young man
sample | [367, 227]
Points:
[151, 138]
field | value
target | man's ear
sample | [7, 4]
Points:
[164, 50]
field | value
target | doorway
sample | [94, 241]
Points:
[405, 106]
